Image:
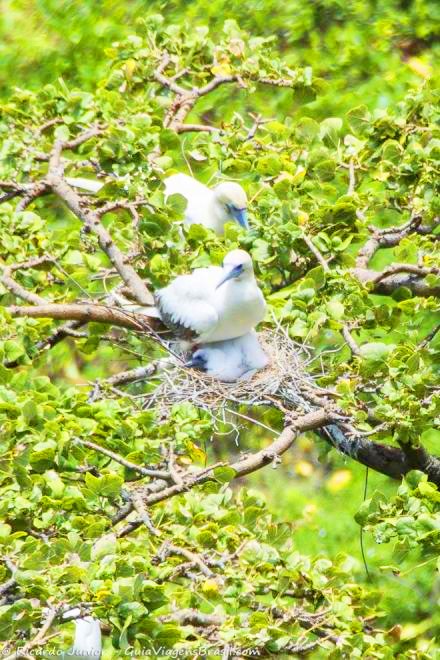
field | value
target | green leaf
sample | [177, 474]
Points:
[330, 130]
[335, 309]
[307, 129]
[224, 474]
[104, 546]
[317, 274]
[376, 351]
[13, 350]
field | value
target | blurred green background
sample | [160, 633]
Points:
[362, 52]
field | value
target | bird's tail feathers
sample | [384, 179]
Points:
[130, 306]
[85, 184]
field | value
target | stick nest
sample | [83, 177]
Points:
[284, 380]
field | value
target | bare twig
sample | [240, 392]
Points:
[91, 220]
[386, 238]
[397, 275]
[9, 584]
[137, 374]
[185, 99]
[144, 471]
[140, 507]
[196, 128]
[430, 336]
[16, 288]
[38, 189]
[48, 124]
[352, 178]
[170, 549]
[350, 340]
[312, 247]
[175, 475]
[406, 268]
[389, 283]
[192, 617]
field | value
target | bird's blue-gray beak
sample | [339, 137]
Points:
[240, 216]
[234, 272]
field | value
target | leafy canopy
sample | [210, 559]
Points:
[331, 182]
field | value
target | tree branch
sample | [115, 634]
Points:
[351, 178]
[385, 238]
[390, 283]
[241, 467]
[129, 376]
[430, 336]
[38, 189]
[170, 549]
[38, 640]
[91, 220]
[390, 461]
[185, 99]
[85, 313]
[140, 507]
[350, 340]
[56, 182]
[9, 584]
[406, 268]
[16, 288]
[196, 128]
[191, 617]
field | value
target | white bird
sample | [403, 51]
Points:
[205, 206]
[213, 304]
[87, 642]
[209, 207]
[232, 359]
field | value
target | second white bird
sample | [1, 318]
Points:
[209, 207]
[213, 304]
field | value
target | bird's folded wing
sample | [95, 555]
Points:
[185, 304]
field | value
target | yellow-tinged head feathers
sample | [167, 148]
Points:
[231, 193]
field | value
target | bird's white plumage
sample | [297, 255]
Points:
[87, 642]
[87, 638]
[85, 184]
[211, 310]
[206, 206]
[232, 359]
[187, 301]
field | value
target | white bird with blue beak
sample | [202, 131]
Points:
[209, 207]
[230, 360]
[213, 304]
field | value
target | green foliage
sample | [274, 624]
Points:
[411, 518]
[366, 52]
[350, 141]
